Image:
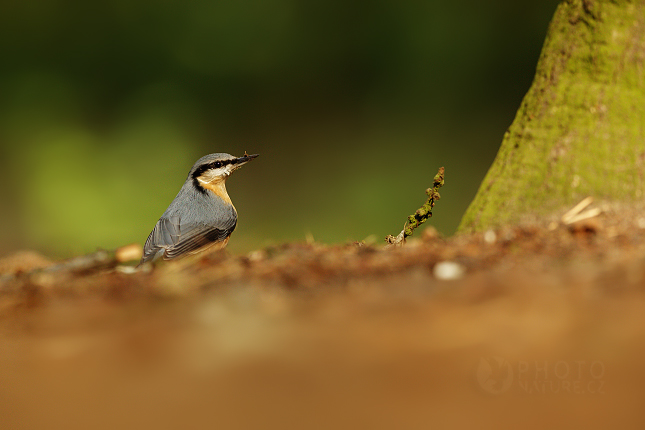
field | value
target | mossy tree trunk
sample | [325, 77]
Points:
[580, 129]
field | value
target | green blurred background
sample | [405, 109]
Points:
[104, 107]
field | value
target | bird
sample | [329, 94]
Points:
[201, 216]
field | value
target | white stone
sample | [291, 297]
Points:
[490, 237]
[448, 271]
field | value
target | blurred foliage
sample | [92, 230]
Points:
[105, 106]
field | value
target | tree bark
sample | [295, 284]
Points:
[580, 129]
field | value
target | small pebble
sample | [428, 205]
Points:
[128, 270]
[257, 255]
[127, 253]
[490, 237]
[448, 271]
[641, 223]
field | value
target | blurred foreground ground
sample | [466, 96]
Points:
[546, 329]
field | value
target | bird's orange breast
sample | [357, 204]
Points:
[219, 188]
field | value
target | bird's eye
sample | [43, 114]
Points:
[218, 164]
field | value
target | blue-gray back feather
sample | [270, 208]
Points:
[194, 220]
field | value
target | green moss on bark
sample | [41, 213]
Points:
[580, 129]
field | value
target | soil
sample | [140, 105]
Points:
[539, 325]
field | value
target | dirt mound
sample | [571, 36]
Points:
[528, 326]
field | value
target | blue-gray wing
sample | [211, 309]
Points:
[171, 238]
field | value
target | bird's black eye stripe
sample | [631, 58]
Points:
[218, 164]
[213, 165]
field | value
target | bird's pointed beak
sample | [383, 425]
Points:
[240, 161]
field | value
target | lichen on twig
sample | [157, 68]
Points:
[422, 214]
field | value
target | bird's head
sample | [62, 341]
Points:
[214, 168]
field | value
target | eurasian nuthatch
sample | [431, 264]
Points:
[202, 215]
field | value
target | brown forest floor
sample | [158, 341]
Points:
[545, 329]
